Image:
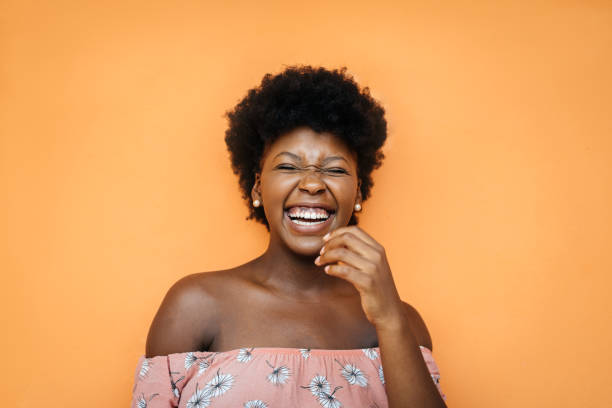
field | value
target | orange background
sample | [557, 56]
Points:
[493, 203]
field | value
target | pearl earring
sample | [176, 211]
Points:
[357, 207]
[256, 203]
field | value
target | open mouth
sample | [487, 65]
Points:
[309, 219]
[308, 215]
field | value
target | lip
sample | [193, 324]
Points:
[327, 207]
[308, 229]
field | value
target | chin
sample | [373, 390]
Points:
[304, 245]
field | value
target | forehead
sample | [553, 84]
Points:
[310, 146]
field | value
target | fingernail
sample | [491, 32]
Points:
[326, 236]
[321, 251]
[317, 260]
[326, 268]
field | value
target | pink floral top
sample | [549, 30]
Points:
[266, 377]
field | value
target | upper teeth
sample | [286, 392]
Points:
[311, 213]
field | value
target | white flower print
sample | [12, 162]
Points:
[173, 383]
[255, 404]
[328, 400]
[219, 384]
[202, 366]
[190, 360]
[353, 375]
[435, 378]
[279, 375]
[370, 352]
[244, 355]
[381, 375]
[305, 352]
[318, 385]
[142, 402]
[144, 368]
[199, 399]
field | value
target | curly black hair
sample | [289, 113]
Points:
[321, 99]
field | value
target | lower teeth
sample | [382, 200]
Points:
[299, 222]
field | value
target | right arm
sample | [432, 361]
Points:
[185, 321]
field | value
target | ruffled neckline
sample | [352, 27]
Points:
[282, 350]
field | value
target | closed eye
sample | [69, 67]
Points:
[337, 171]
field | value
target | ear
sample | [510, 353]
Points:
[359, 197]
[256, 190]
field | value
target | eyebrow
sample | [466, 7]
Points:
[299, 159]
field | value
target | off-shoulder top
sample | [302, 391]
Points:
[266, 377]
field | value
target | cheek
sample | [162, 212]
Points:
[345, 191]
[274, 192]
[345, 194]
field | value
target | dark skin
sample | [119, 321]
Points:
[285, 297]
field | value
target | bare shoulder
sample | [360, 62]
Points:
[187, 318]
[418, 326]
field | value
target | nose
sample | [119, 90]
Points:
[311, 182]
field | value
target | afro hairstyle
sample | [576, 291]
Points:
[321, 99]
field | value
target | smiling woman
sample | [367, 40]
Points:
[313, 320]
[325, 101]
[307, 186]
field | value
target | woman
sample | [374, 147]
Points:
[313, 320]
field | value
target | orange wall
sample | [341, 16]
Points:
[493, 202]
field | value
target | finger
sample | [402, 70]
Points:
[350, 241]
[344, 255]
[355, 230]
[348, 273]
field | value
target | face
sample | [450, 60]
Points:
[302, 204]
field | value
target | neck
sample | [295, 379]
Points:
[292, 274]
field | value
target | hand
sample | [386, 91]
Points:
[351, 254]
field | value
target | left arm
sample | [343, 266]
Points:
[353, 255]
[404, 367]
